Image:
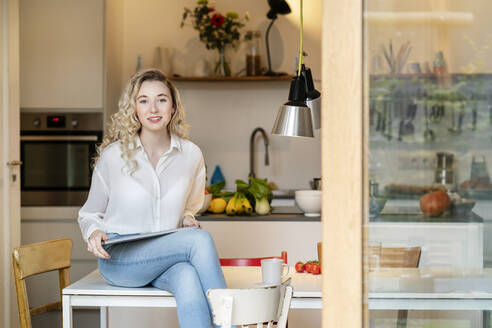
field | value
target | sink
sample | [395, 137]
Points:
[283, 193]
[284, 205]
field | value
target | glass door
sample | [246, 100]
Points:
[427, 251]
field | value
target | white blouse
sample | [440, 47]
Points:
[149, 200]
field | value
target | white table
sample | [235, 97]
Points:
[431, 289]
[92, 290]
[391, 289]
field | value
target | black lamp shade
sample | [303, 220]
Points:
[313, 97]
[277, 7]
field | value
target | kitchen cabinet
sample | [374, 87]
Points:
[448, 241]
[61, 54]
[484, 209]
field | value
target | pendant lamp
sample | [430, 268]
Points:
[295, 118]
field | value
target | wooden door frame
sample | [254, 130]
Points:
[9, 150]
[344, 169]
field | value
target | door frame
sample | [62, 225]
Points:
[9, 151]
[344, 168]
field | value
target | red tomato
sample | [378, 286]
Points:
[315, 269]
[299, 267]
[308, 266]
[206, 192]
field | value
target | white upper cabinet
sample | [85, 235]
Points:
[61, 54]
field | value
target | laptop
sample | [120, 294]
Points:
[143, 235]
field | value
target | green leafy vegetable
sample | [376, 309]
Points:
[259, 188]
[216, 188]
[241, 186]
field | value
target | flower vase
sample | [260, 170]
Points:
[222, 67]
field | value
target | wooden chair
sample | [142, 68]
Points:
[256, 261]
[32, 259]
[255, 306]
[400, 258]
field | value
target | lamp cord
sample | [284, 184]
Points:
[300, 44]
[267, 38]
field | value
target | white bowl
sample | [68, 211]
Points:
[206, 203]
[309, 201]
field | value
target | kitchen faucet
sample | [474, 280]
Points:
[252, 150]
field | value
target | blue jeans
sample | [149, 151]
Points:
[184, 263]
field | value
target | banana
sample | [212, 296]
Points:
[231, 206]
[248, 208]
[239, 205]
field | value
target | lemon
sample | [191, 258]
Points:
[217, 205]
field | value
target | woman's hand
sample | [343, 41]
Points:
[190, 221]
[94, 244]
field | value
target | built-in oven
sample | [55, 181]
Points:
[57, 150]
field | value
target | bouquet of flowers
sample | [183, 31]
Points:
[215, 30]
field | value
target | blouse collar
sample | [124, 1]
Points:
[175, 142]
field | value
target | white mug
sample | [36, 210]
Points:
[272, 270]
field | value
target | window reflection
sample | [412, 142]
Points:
[429, 99]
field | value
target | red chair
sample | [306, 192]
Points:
[252, 261]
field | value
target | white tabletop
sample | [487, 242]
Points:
[305, 285]
[428, 289]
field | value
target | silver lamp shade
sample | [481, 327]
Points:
[315, 106]
[294, 120]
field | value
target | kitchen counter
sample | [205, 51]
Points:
[421, 218]
[275, 217]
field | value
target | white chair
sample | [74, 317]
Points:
[254, 306]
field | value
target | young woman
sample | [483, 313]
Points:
[149, 177]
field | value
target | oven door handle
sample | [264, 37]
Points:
[14, 163]
[58, 138]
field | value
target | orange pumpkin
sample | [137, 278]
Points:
[434, 203]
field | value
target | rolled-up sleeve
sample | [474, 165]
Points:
[91, 215]
[197, 195]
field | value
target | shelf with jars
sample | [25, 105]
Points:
[231, 78]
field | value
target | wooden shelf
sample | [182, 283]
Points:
[231, 78]
[431, 75]
[453, 19]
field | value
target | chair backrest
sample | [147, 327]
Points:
[405, 257]
[255, 261]
[32, 259]
[256, 306]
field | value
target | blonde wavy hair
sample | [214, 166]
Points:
[125, 125]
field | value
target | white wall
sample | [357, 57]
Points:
[152, 23]
[462, 45]
[222, 115]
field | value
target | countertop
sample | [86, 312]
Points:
[70, 213]
[421, 218]
[280, 217]
[409, 211]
